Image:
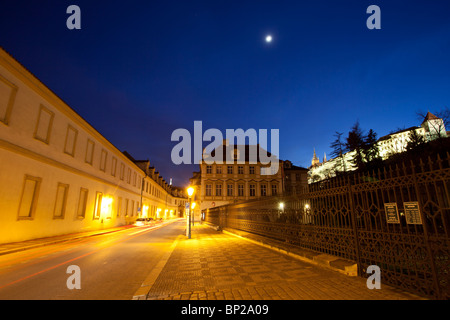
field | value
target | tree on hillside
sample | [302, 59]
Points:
[339, 149]
[415, 140]
[355, 142]
[370, 150]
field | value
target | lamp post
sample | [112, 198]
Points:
[190, 192]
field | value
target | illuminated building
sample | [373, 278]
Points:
[225, 183]
[58, 174]
[431, 128]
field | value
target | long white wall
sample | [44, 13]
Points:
[57, 173]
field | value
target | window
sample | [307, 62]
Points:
[230, 169]
[44, 125]
[29, 197]
[103, 158]
[219, 169]
[274, 189]
[108, 207]
[119, 207]
[89, 151]
[132, 208]
[82, 201]
[252, 190]
[129, 176]
[240, 169]
[240, 190]
[252, 170]
[263, 190]
[126, 208]
[122, 171]
[208, 169]
[71, 140]
[98, 205]
[60, 202]
[218, 190]
[7, 96]
[113, 166]
[208, 190]
[230, 190]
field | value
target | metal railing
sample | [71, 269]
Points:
[397, 218]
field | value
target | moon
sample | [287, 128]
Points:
[269, 38]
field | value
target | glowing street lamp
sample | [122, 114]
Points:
[281, 206]
[190, 192]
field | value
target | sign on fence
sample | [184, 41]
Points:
[412, 213]
[391, 212]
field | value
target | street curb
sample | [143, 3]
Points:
[146, 286]
[343, 266]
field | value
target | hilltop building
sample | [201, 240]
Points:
[430, 129]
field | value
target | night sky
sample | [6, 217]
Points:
[138, 70]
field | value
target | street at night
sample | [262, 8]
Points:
[113, 266]
[224, 158]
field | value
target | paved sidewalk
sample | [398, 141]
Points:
[217, 266]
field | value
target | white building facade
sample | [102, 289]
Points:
[58, 174]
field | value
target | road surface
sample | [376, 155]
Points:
[111, 266]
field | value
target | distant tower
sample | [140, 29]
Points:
[315, 161]
[324, 157]
[434, 126]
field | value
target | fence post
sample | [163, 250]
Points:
[355, 227]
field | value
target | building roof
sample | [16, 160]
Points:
[251, 152]
[386, 137]
[430, 116]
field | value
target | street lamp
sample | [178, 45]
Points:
[190, 192]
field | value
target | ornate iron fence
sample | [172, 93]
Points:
[395, 218]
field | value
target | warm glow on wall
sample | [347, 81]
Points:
[158, 210]
[106, 206]
[145, 211]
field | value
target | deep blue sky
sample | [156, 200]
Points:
[137, 70]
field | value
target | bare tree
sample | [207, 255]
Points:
[436, 127]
